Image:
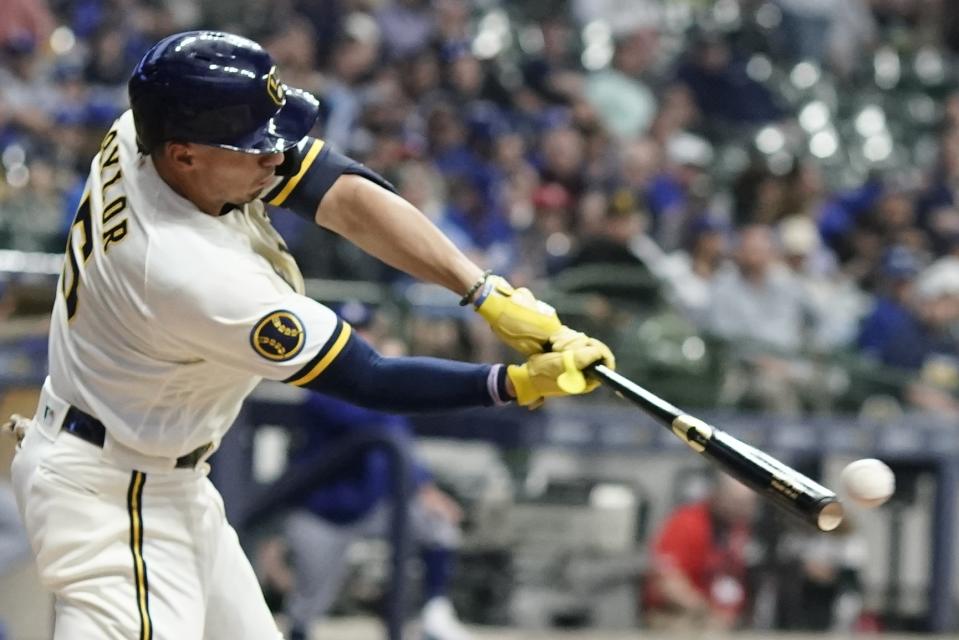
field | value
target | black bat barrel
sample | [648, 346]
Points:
[785, 486]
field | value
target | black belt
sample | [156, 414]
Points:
[88, 428]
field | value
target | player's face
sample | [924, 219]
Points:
[232, 176]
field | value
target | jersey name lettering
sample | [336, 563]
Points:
[114, 228]
[114, 231]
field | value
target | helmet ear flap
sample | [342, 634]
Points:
[144, 121]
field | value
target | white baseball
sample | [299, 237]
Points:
[868, 482]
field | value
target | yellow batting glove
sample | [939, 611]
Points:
[546, 375]
[516, 316]
[567, 338]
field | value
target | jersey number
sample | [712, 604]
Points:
[70, 280]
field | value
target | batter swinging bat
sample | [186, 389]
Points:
[787, 488]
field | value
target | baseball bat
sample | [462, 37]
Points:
[785, 486]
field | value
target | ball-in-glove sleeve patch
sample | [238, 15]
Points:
[278, 336]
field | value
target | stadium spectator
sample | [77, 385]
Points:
[620, 93]
[835, 304]
[688, 273]
[28, 93]
[353, 60]
[805, 29]
[405, 25]
[546, 244]
[24, 20]
[562, 159]
[892, 333]
[518, 177]
[724, 92]
[639, 162]
[554, 73]
[757, 298]
[295, 48]
[453, 26]
[623, 221]
[681, 191]
[677, 113]
[852, 38]
[620, 16]
[910, 329]
[757, 303]
[31, 215]
[699, 562]
[108, 63]
[936, 206]
[759, 196]
[420, 184]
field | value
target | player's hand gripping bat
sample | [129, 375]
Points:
[785, 486]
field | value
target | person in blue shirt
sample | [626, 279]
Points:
[355, 504]
[910, 330]
[893, 333]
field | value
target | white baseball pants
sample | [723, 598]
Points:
[130, 554]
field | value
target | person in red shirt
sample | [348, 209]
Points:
[698, 561]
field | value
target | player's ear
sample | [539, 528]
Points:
[179, 154]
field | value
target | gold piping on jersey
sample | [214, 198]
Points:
[135, 507]
[325, 361]
[278, 336]
[314, 151]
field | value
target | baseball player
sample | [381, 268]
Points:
[177, 297]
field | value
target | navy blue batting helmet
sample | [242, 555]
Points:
[217, 89]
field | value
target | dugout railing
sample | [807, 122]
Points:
[275, 498]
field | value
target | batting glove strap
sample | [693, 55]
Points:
[516, 316]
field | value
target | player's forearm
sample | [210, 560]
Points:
[390, 228]
[363, 377]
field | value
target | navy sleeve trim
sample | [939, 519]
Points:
[311, 171]
[325, 356]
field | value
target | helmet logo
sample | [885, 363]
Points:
[274, 87]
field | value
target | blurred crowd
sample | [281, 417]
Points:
[783, 170]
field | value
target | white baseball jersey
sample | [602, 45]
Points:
[166, 317]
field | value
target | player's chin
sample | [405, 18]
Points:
[255, 192]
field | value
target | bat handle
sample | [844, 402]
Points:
[626, 387]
